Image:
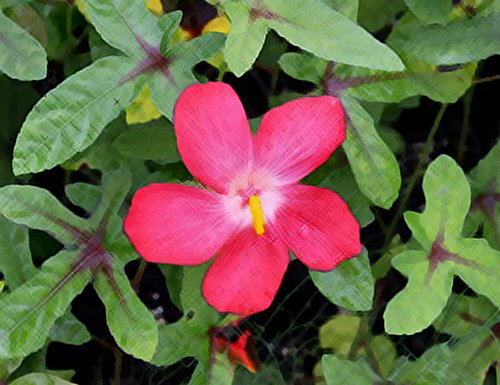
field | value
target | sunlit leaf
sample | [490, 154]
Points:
[431, 11]
[341, 371]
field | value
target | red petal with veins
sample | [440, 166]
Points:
[182, 225]
[318, 227]
[247, 273]
[299, 136]
[213, 135]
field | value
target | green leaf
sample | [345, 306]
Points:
[303, 66]
[430, 368]
[179, 73]
[431, 11]
[15, 260]
[348, 8]
[461, 41]
[420, 302]
[39, 209]
[152, 140]
[21, 56]
[40, 379]
[343, 183]
[130, 322]
[85, 195]
[349, 285]
[340, 371]
[126, 26]
[446, 254]
[189, 337]
[374, 166]
[267, 375]
[70, 117]
[444, 183]
[29, 312]
[221, 372]
[168, 24]
[339, 333]
[319, 29]
[69, 330]
[245, 39]
[375, 14]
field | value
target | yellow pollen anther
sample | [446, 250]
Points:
[255, 206]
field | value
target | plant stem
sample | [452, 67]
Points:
[136, 281]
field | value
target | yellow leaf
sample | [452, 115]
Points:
[219, 24]
[155, 7]
[142, 109]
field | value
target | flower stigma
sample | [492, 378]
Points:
[255, 206]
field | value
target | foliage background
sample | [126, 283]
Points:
[87, 93]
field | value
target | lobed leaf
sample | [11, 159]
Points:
[15, 261]
[29, 312]
[39, 209]
[341, 371]
[126, 316]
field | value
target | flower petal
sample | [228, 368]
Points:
[177, 224]
[247, 274]
[297, 137]
[213, 135]
[318, 227]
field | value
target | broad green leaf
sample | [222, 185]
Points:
[179, 74]
[21, 56]
[69, 330]
[8, 366]
[319, 29]
[374, 166]
[349, 285]
[15, 254]
[39, 209]
[11, 3]
[446, 253]
[173, 279]
[129, 27]
[28, 313]
[303, 66]
[40, 379]
[154, 140]
[343, 183]
[430, 368]
[461, 41]
[431, 11]
[245, 39]
[341, 371]
[85, 195]
[130, 322]
[70, 117]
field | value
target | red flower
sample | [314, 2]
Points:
[254, 209]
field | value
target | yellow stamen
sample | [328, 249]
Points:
[255, 206]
